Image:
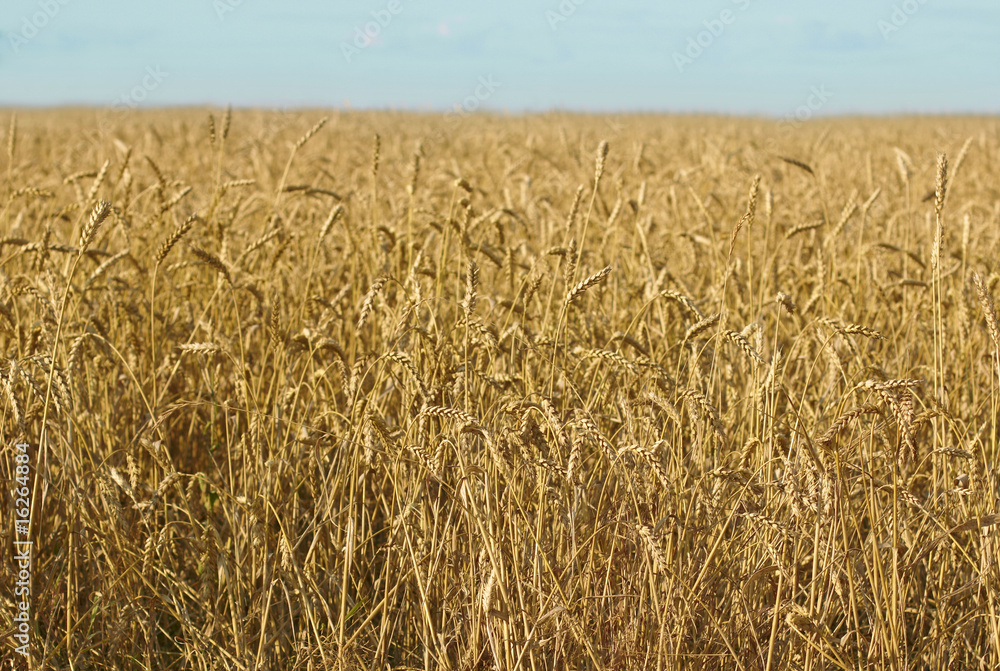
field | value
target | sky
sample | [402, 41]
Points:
[778, 58]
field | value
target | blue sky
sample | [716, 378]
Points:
[727, 56]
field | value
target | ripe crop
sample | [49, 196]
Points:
[528, 392]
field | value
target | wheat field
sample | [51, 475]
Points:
[336, 390]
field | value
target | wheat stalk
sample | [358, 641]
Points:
[97, 217]
[585, 284]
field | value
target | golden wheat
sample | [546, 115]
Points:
[413, 428]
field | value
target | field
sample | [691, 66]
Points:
[475, 392]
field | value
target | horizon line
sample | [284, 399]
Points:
[510, 113]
